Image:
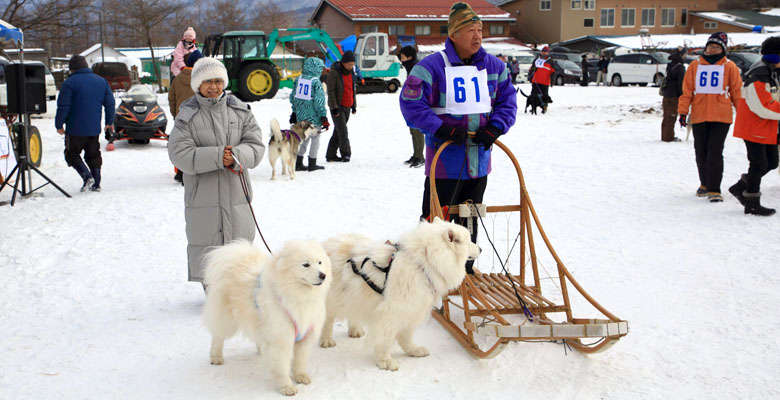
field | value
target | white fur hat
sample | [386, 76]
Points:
[207, 68]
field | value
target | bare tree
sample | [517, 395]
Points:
[141, 17]
[228, 15]
[747, 4]
[271, 17]
[47, 21]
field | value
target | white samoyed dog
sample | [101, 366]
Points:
[277, 301]
[424, 265]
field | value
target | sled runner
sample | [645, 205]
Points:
[498, 308]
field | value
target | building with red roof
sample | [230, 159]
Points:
[426, 20]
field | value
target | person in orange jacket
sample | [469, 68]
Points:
[540, 73]
[711, 86]
[758, 113]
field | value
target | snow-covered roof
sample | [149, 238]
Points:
[749, 39]
[775, 12]
[492, 45]
[144, 53]
[769, 21]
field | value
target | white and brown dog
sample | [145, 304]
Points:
[284, 144]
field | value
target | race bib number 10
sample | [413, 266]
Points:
[709, 79]
[467, 90]
[303, 89]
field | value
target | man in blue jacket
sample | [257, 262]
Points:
[79, 105]
[448, 94]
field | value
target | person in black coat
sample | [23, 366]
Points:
[671, 89]
[584, 70]
[602, 66]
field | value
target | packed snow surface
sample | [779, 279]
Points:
[95, 302]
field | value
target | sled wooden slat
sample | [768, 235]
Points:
[489, 301]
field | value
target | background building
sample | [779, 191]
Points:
[551, 21]
[426, 20]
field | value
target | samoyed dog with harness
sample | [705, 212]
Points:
[277, 301]
[390, 288]
[284, 145]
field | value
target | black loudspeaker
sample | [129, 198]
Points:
[34, 88]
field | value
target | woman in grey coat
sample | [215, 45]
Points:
[210, 128]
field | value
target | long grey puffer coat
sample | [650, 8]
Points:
[215, 208]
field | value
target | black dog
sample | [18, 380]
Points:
[534, 100]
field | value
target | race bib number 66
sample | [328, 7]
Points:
[709, 79]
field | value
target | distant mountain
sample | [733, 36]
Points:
[302, 16]
[297, 5]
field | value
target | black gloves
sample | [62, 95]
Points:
[293, 118]
[334, 112]
[354, 110]
[455, 133]
[487, 134]
[683, 120]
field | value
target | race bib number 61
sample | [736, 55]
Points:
[467, 90]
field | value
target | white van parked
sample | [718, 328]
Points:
[639, 68]
[51, 88]
[524, 61]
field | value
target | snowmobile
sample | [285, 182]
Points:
[138, 118]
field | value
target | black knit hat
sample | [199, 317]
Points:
[77, 62]
[348, 56]
[409, 51]
[771, 45]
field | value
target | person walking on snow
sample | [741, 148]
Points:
[81, 102]
[210, 132]
[185, 46]
[308, 104]
[408, 56]
[711, 86]
[758, 113]
[434, 101]
[540, 73]
[341, 83]
[671, 90]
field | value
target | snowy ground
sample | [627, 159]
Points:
[95, 303]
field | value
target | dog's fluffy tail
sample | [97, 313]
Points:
[276, 130]
[236, 262]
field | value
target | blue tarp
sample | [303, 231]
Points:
[348, 44]
[10, 32]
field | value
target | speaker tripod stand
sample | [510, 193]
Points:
[23, 165]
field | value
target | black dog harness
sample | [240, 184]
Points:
[385, 270]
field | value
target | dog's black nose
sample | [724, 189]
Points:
[322, 275]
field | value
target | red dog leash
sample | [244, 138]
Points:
[245, 188]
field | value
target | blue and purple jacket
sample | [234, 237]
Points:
[425, 89]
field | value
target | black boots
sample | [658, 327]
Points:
[85, 175]
[739, 187]
[313, 164]
[299, 164]
[753, 205]
[96, 176]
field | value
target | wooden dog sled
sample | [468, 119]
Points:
[499, 308]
